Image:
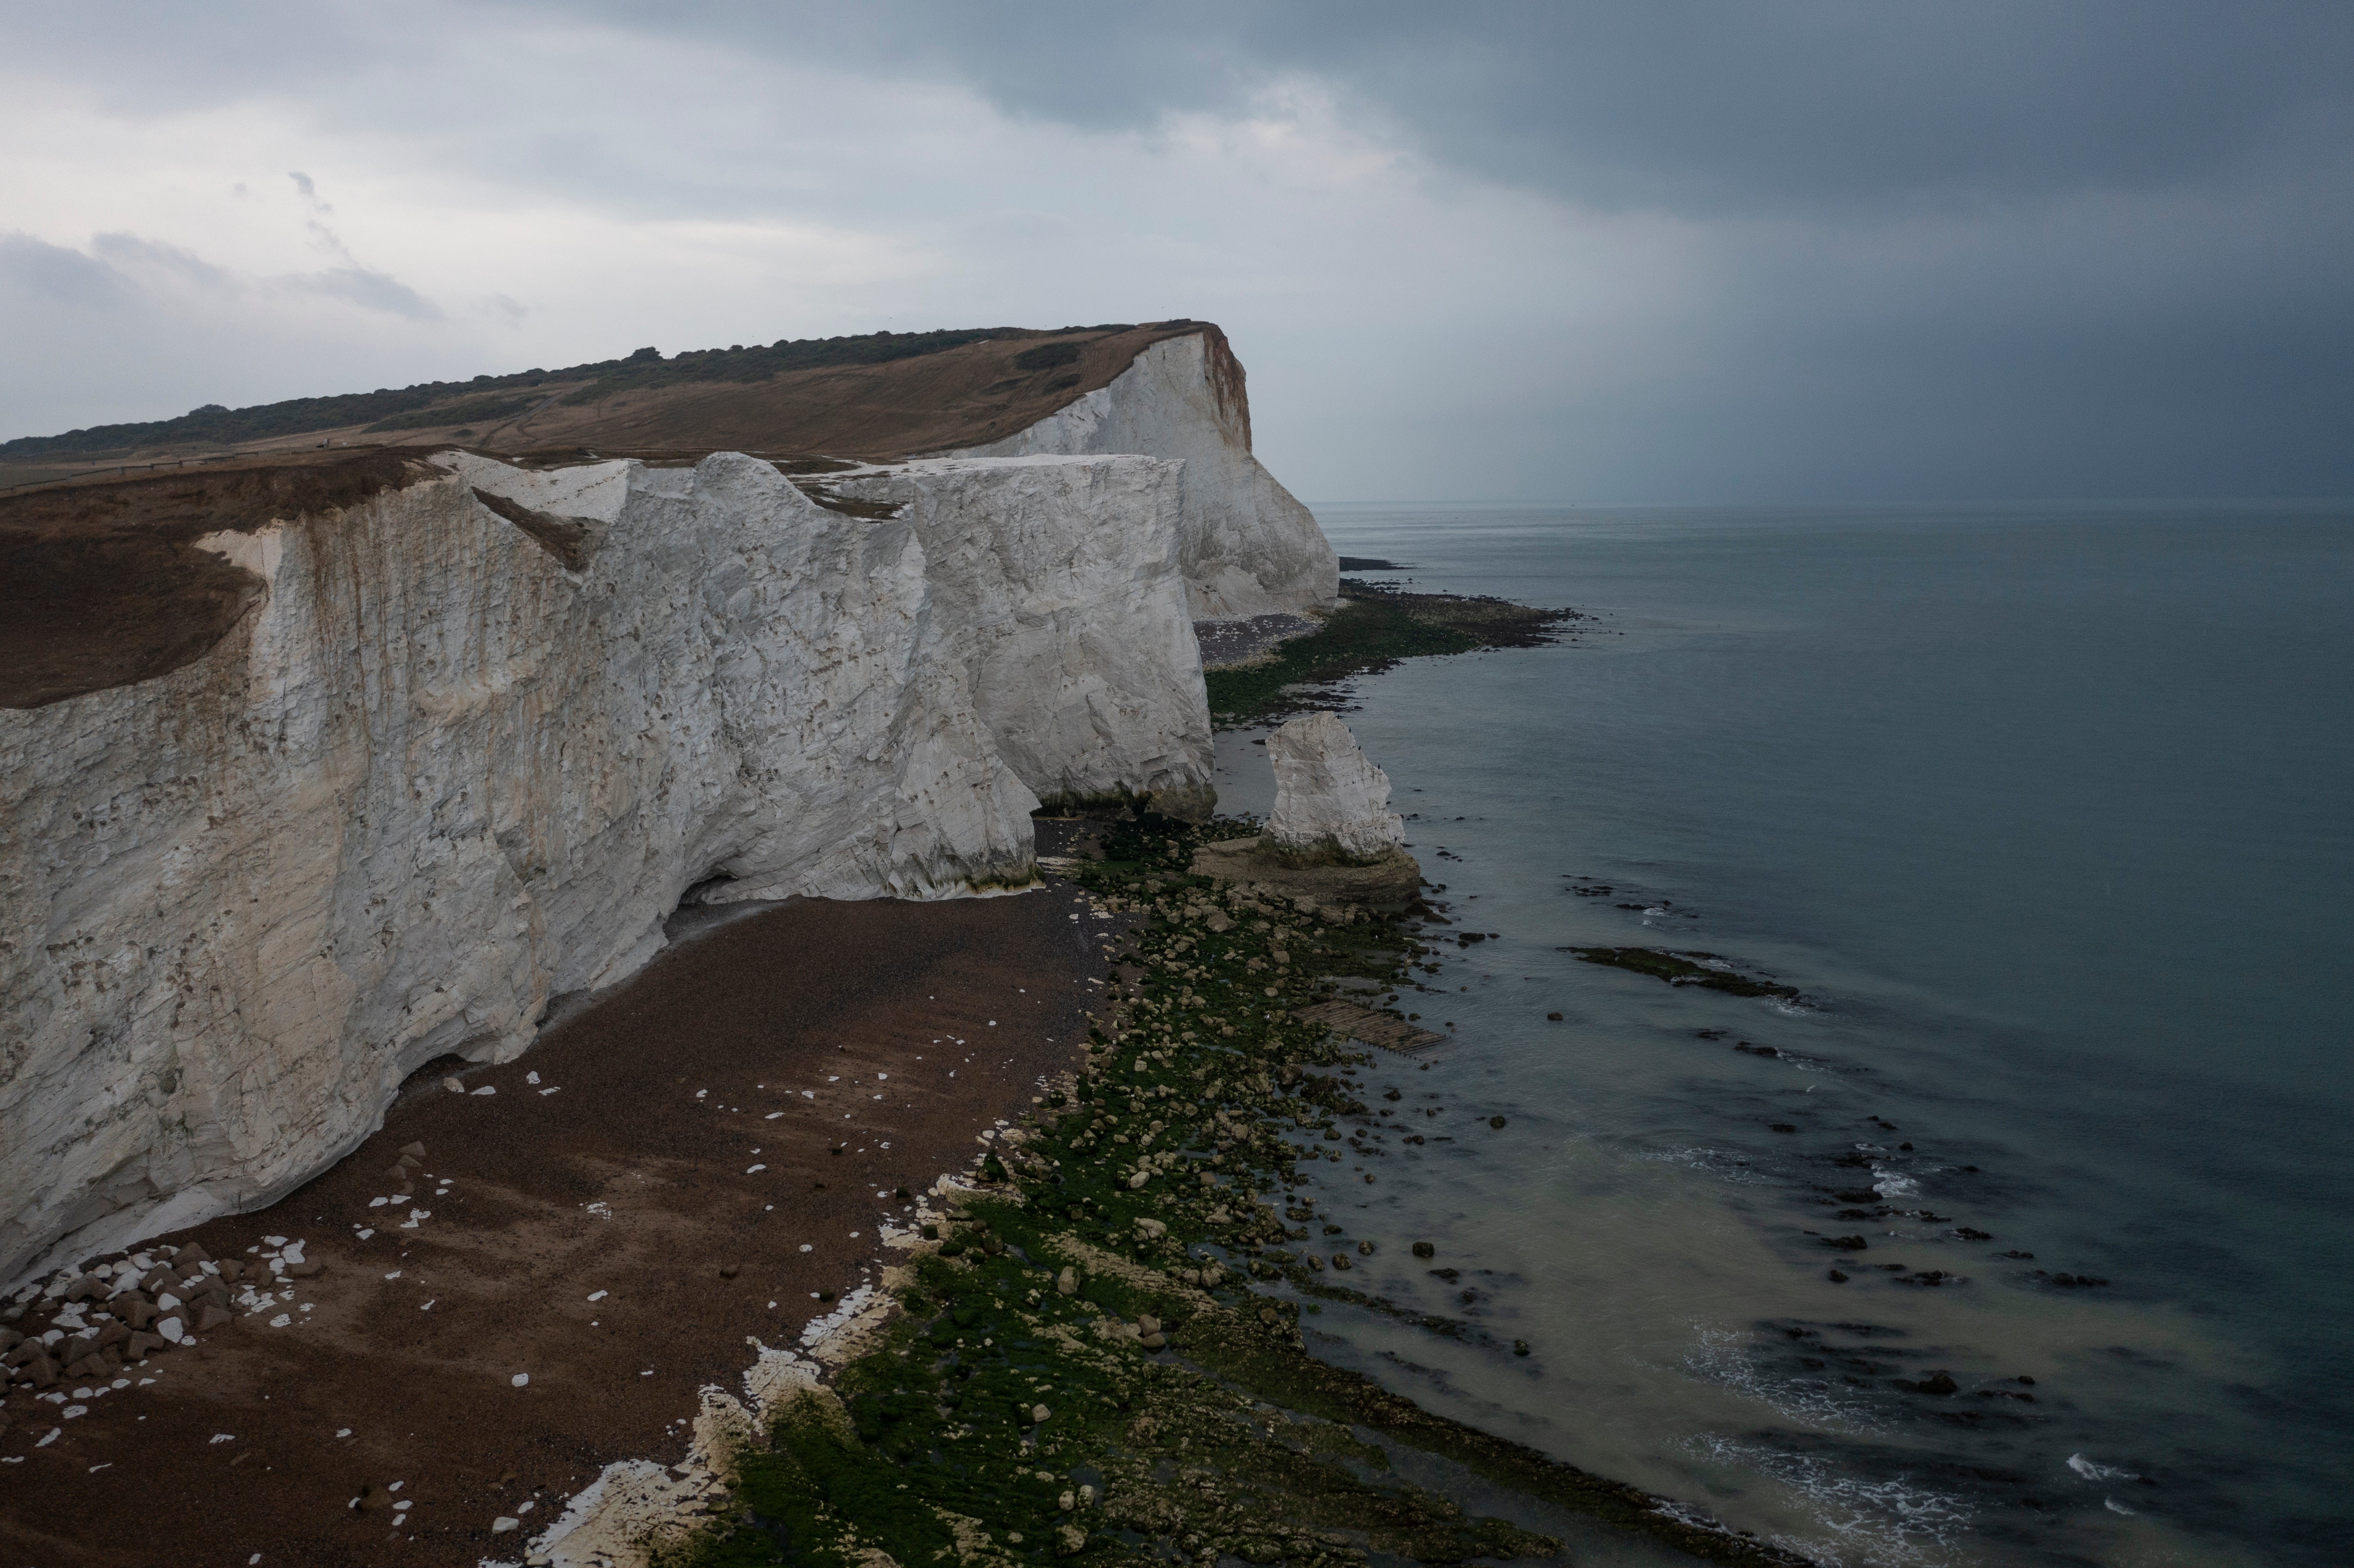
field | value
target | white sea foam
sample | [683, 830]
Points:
[1893, 1185]
[1865, 1520]
[1720, 1163]
[2093, 1472]
[1727, 1358]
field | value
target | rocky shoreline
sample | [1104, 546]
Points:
[1265, 671]
[1094, 1351]
[1085, 1346]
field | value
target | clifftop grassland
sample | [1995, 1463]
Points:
[879, 394]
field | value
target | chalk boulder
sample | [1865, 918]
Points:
[1328, 798]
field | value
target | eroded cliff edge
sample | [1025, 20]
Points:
[471, 738]
[1167, 389]
[1250, 547]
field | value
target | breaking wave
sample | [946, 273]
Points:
[1860, 1520]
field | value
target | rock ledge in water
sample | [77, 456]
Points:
[1393, 878]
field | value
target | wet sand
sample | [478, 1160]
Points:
[752, 1101]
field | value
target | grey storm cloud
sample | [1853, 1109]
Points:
[368, 290]
[133, 252]
[1698, 105]
[2002, 248]
[109, 276]
[1999, 247]
[57, 274]
[1708, 106]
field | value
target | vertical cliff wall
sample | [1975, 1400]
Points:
[1075, 636]
[1248, 546]
[471, 743]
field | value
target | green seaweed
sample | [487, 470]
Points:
[1372, 629]
[1022, 875]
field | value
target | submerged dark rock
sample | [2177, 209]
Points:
[1682, 969]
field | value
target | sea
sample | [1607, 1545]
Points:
[2046, 815]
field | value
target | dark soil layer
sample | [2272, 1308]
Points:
[635, 1178]
[1681, 969]
[1372, 629]
[102, 585]
[1081, 1369]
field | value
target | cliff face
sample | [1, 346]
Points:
[1167, 389]
[1250, 548]
[1075, 637]
[471, 740]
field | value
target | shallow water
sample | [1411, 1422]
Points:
[2045, 811]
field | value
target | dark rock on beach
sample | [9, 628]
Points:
[1682, 969]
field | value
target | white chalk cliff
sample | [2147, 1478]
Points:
[1083, 665]
[478, 736]
[1249, 547]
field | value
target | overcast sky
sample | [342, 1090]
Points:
[1835, 251]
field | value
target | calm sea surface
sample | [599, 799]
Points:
[2048, 814]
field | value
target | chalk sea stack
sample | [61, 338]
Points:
[1330, 802]
[1331, 836]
